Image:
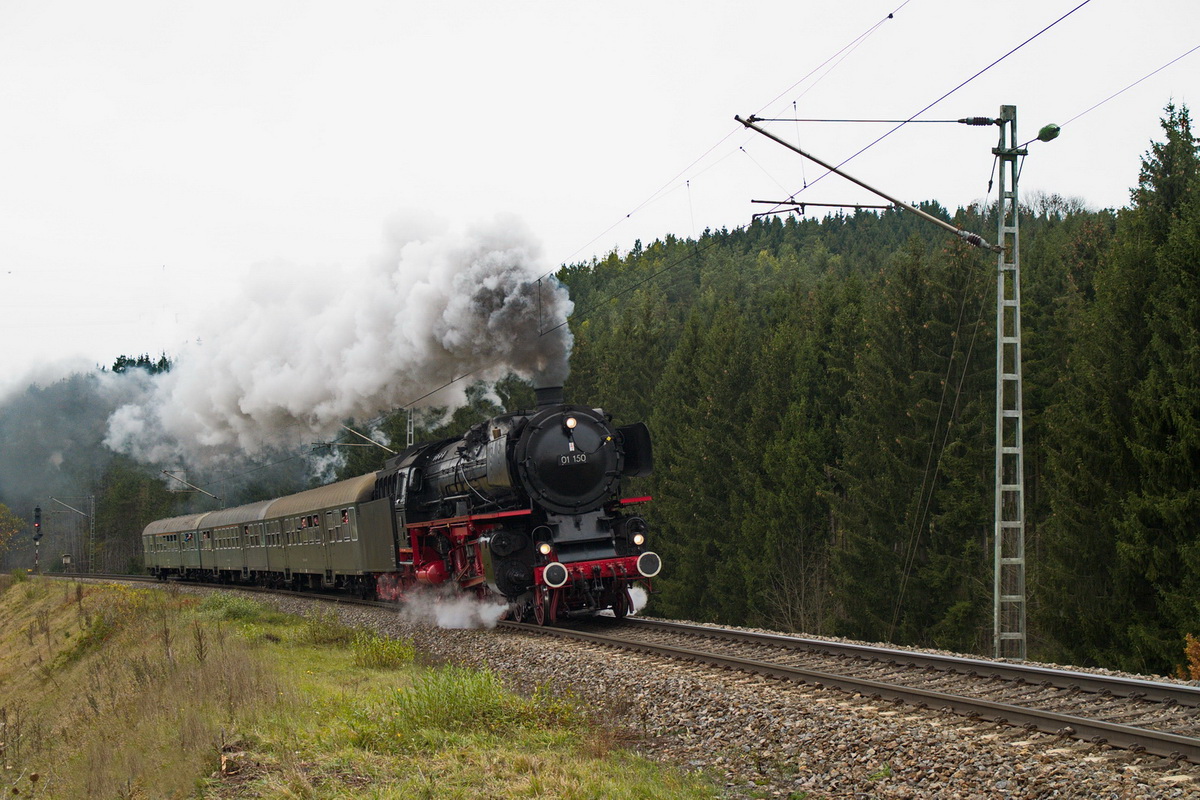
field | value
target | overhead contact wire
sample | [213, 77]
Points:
[1130, 86]
[955, 89]
[849, 47]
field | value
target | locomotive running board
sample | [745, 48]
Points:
[468, 518]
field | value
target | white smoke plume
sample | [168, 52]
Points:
[640, 598]
[297, 352]
[450, 610]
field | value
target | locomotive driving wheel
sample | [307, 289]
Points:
[545, 606]
[622, 603]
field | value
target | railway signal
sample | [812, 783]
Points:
[37, 538]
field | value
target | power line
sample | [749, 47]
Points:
[696, 253]
[802, 119]
[1130, 86]
[899, 123]
[952, 91]
[846, 49]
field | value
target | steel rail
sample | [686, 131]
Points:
[1127, 737]
[1116, 685]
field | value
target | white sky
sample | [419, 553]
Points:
[153, 154]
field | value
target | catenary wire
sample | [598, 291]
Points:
[952, 91]
[1126, 89]
[849, 47]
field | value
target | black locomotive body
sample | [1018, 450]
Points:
[525, 507]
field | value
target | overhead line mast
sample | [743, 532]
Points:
[1009, 639]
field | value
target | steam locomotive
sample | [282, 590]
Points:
[524, 507]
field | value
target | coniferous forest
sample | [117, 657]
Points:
[821, 398]
[820, 393]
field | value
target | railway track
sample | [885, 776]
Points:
[1134, 714]
[1130, 713]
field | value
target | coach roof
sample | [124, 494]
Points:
[190, 522]
[342, 493]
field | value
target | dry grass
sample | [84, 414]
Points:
[113, 692]
[117, 692]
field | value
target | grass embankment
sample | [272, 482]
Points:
[117, 692]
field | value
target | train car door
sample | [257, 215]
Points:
[244, 550]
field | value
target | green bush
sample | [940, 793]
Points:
[234, 608]
[452, 702]
[378, 652]
[325, 628]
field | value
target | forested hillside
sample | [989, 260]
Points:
[820, 393]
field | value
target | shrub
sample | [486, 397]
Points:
[454, 701]
[378, 652]
[326, 628]
[219, 605]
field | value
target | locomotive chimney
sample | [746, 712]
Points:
[549, 396]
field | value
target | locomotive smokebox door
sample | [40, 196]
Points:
[567, 459]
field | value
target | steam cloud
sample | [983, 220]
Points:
[640, 598]
[295, 354]
[447, 608]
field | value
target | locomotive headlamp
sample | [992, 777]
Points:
[649, 564]
[555, 575]
[570, 422]
[639, 539]
[544, 548]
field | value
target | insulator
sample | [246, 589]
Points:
[978, 121]
[973, 239]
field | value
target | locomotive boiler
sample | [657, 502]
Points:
[525, 507]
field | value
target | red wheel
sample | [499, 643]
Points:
[554, 595]
[539, 610]
[621, 603]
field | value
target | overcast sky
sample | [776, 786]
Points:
[153, 155]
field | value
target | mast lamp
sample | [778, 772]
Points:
[1048, 132]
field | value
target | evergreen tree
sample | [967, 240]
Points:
[128, 498]
[1160, 529]
[1124, 460]
[894, 578]
[698, 448]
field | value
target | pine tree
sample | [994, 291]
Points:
[906, 555]
[1123, 528]
[1160, 530]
